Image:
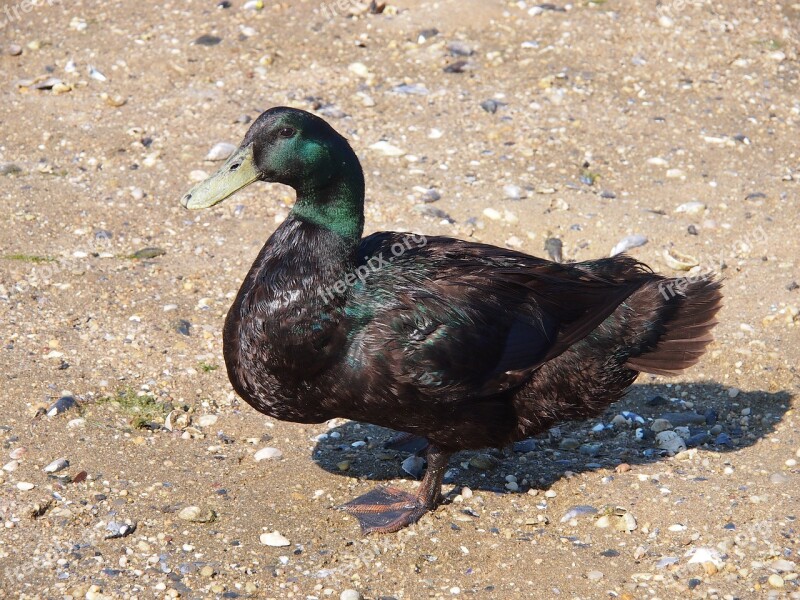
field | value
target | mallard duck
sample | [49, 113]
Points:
[456, 344]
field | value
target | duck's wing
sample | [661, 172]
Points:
[457, 318]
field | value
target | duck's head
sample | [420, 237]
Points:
[289, 146]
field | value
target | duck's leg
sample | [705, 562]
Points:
[389, 509]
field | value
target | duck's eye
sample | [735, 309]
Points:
[286, 132]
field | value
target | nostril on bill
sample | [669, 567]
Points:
[234, 166]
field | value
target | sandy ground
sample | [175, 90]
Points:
[605, 120]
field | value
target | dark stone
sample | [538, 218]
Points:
[207, 40]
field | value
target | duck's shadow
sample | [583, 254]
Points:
[357, 449]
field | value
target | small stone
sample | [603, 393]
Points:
[778, 478]
[594, 575]
[149, 252]
[550, 494]
[569, 444]
[512, 192]
[481, 462]
[528, 445]
[207, 40]
[14, 50]
[220, 151]
[684, 418]
[350, 595]
[359, 70]
[493, 214]
[57, 465]
[25, 486]
[660, 425]
[387, 149]
[207, 571]
[137, 194]
[775, 581]
[670, 441]
[733, 392]
[274, 539]
[268, 454]
[61, 405]
[343, 466]
[414, 466]
[512, 486]
[691, 208]
[207, 420]
[622, 468]
[197, 514]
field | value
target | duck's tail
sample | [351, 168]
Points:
[682, 314]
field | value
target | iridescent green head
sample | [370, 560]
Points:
[298, 149]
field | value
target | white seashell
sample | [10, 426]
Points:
[678, 261]
[274, 539]
[628, 242]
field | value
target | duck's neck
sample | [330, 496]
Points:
[336, 204]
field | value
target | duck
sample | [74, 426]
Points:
[457, 345]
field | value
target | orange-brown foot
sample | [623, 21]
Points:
[386, 510]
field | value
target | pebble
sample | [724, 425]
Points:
[569, 444]
[528, 445]
[268, 454]
[207, 420]
[627, 243]
[481, 462]
[197, 514]
[119, 529]
[387, 149]
[350, 595]
[57, 465]
[207, 40]
[492, 213]
[684, 418]
[359, 69]
[659, 425]
[594, 575]
[778, 478]
[25, 486]
[512, 192]
[775, 580]
[61, 405]
[18, 452]
[670, 441]
[220, 151]
[691, 208]
[274, 539]
[414, 466]
[14, 50]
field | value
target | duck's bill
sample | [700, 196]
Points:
[237, 172]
